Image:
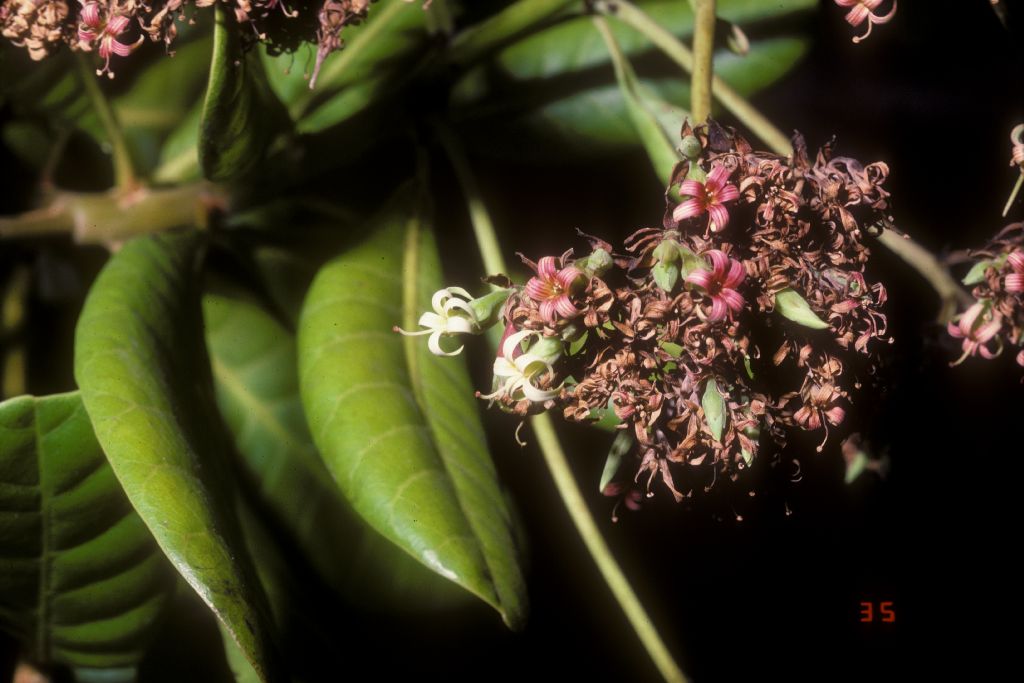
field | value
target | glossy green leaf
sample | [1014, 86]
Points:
[240, 112]
[399, 429]
[81, 581]
[145, 380]
[791, 305]
[714, 409]
[255, 372]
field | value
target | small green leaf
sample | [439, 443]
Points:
[620, 446]
[714, 409]
[666, 275]
[977, 272]
[690, 262]
[746, 366]
[399, 428]
[855, 467]
[240, 112]
[791, 305]
[145, 381]
[81, 581]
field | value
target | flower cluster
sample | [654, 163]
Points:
[115, 28]
[745, 316]
[996, 318]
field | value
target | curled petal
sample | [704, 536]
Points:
[565, 308]
[567, 277]
[886, 18]
[548, 311]
[1015, 283]
[691, 188]
[434, 344]
[835, 415]
[969, 317]
[688, 209]
[547, 268]
[954, 330]
[857, 15]
[90, 15]
[727, 193]
[717, 178]
[701, 278]
[718, 309]
[1020, 357]
[719, 217]
[989, 353]
[737, 273]
[539, 290]
[511, 345]
[117, 25]
[987, 331]
[733, 299]
[1016, 261]
[719, 263]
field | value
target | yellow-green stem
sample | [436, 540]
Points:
[703, 59]
[124, 171]
[554, 456]
[913, 254]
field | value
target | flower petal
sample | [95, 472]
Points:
[733, 299]
[692, 188]
[434, 344]
[737, 273]
[719, 263]
[727, 193]
[511, 346]
[547, 268]
[1016, 261]
[1015, 283]
[565, 308]
[719, 217]
[547, 311]
[90, 15]
[567, 277]
[701, 278]
[117, 25]
[539, 290]
[718, 308]
[688, 209]
[717, 178]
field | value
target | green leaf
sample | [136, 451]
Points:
[666, 275]
[240, 112]
[714, 409]
[255, 372]
[81, 581]
[620, 446]
[977, 272]
[555, 88]
[791, 305]
[398, 428]
[145, 380]
[655, 121]
[378, 53]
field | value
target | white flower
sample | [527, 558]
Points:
[452, 315]
[519, 374]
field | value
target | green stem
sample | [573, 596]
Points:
[555, 458]
[924, 262]
[552, 451]
[124, 172]
[739, 107]
[111, 217]
[483, 228]
[516, 19]
[1013, 193]
[703, 60]
[12, 324]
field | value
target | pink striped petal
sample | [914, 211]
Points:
[718, 308]
[727, 193]
[120, 49]
[835, 415]
[539, 290]
[717, 178]
[988, 353]
[90, 15]
[1015, 283]
[987, 331]
[969, 317]
[691, 188]
[885, 19]
[719, 217]
[733, 299]
[1020, 357]
[954, 330]
[857, 15]
[846, 3]
[719, 263]
[567, 277]
[564, 307]
[688, 209]
[547, 311]
[86, 35]
[701, 278]
[1016, 261]
[737, 273]
[547, 268]
[117, 25]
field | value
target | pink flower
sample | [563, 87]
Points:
[864, 10]
[552, 288]
[1015, 280]
[976, 333]
[709, 196]
[94, 26]
[720, 284]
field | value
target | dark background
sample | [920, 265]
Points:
[934, 94]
